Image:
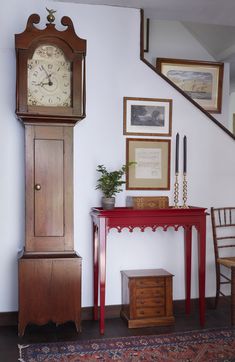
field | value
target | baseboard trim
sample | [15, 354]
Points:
[8, 319]
[113, 311]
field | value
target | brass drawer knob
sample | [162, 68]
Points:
[37, 187]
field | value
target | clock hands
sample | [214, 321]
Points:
[50, 83]
[41, 84]
[47, 81]
[48, 75]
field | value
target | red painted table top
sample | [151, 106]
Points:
[129, 211]
[121, 217]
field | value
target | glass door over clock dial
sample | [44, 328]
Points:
[49, 78]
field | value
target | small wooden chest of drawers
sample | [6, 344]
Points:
[147, 298]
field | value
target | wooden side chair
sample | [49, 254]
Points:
[223, 228]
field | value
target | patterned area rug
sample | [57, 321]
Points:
[206, 345]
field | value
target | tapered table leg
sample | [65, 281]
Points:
[96, 270]
[188, 258]
[102, 271]
[201, 269]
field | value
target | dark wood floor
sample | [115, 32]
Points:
[113, 328]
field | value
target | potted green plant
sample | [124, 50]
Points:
[110, 183]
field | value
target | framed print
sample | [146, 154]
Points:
[200, 80]
[152, 168]
[147, 116]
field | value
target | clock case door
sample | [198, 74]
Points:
[49, 188]
[74, 49]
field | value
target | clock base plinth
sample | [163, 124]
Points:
[49, 289]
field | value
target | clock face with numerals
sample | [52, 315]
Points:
[49, 78]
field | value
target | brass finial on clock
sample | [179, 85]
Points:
[50, 16]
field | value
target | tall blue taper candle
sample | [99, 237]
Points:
[185, 155]
[177, 153]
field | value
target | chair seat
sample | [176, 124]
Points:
[229, 262]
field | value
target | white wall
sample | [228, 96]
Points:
[114, 70]
[171, 39]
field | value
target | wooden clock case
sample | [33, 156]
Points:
[49, 268]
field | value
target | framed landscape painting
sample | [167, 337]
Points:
[200, 80]
[151, 170]
[147, 116]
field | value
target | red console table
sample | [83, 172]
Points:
[123, 217]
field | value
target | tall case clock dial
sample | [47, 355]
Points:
[49, 78]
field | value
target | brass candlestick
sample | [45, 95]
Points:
[185, 191]
[176, 191]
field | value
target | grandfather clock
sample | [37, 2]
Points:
[50, 100]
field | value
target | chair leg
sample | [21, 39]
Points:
[233, 295]
[217, 285]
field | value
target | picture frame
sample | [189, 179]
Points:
[151, 170]
[147, 116]
[200, 80]
[146, 34]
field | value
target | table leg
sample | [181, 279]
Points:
[102, 271]
[201, 269]
[233, 295]
[188, 258]
[95, 271]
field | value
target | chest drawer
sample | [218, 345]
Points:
[150, 302]
[150, 312]
[149, 292]
[149, 282]
[147, 298]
